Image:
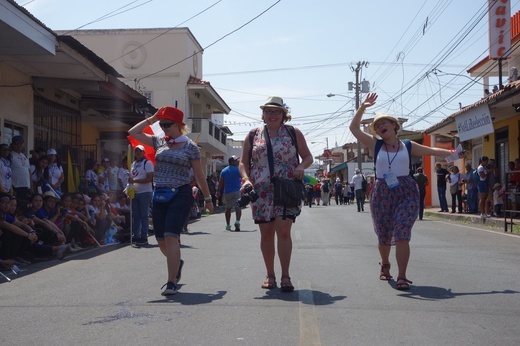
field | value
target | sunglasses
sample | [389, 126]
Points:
[273, 111]
[165, 125]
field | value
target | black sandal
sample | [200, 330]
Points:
[286, 286]
[382, 275]
[403, 284]
[269, 283]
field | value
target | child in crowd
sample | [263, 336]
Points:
[498, 199]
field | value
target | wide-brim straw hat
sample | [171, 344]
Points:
[274, 102]
[381, 116]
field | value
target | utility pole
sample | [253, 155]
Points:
[358, 90]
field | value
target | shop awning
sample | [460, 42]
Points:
[339, 167]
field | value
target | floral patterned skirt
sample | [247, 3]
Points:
[264, 209]
[394, 211]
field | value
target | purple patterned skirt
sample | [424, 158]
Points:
[394, 211]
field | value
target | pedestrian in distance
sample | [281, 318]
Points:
[287, 145]
[442, 173]
[394, 200]
[357, 181]
[455, 181]
[338, 191]
[177, 160]
[422, 181]
[483, 187]
[231, 183]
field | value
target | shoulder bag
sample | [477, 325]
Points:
[287, 193]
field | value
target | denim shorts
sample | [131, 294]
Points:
[483, 186]
[169, 218]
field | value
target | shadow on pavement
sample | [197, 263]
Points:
[190, 298]
[437, 293]
[317, 297]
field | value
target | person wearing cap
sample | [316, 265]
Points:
[288, 145]
[141, 176]
[55, 168]
[6, 173]
[357, 181]
[394, 200]
[21, 175]
[230, 183]
[498, 199]
[177, 162]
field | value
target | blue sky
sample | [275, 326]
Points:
[418, 53]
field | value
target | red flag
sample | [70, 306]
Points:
[149, 150]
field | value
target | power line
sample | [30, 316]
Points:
[211, 44]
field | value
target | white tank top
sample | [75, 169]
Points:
[400, 162]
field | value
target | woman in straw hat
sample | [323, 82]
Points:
[394, 202]
[177, 160]
[254, 170]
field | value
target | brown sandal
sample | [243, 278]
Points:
[382, 274]
[286, 286]
[269, 283]
[403, 284]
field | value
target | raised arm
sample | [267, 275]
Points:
[368, 140]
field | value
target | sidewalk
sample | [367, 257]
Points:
[492, 222]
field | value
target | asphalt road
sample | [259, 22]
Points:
[465, 292]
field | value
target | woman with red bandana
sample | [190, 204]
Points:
[177, 160]
[394, 201]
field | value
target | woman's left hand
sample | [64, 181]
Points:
[208, 205]
[298, 173]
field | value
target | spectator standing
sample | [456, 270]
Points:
[122, 175]
[40, 175]
[113, 177]
[394, 201]
[442, 173]
[21, 175]
[471, 189]
[338, 191]
[177, 162]
[274, 220]
[56, 176]
[103, 174]
[483, 186]
[141, 176]
[230, 181]
[91, 177]
[422, 182]
[455, 180]
[5, 170]
[357, 181]
[493, 175]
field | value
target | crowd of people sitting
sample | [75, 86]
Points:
[39, 222]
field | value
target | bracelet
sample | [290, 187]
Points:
[208, 199]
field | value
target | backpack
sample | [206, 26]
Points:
[476, 177]
[408, 145]
[326, 187]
